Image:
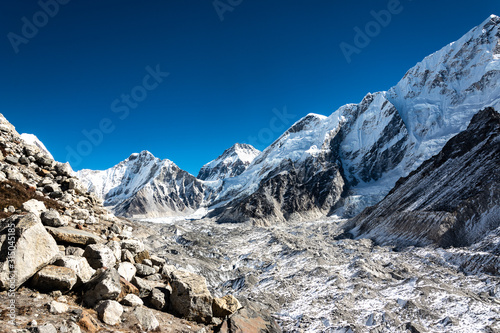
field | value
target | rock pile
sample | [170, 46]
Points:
[56, 238]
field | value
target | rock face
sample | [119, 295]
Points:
[190, 296]
[452, 199]
[231, 163]
[145, 186]
[34, 249]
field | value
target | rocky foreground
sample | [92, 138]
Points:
[68, 265]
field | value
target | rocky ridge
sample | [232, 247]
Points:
[68, 265]
[452, 199]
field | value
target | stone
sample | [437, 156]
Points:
[12, 160]
[143, 286]
[143, 270]
[157, 261]
[116, 248]
[154, 277]
[251, 319]
[190, 296]
[127, 288]
[58, 307]
[44, 161]
[35, 249]
[105, 285]
[132, 300]
[147, 262]
[99, 255]
[63, 169]
[73, 236]
[46, 328]
[74, 251]
[146, 318]
[15, 176]
[158, 299]
[79, 265]
[91, 220]
[127, 270]
[225, 306]
[24, 160]
[80, 214]
[71, 327]
[54, 278]
[128, 256]
[52, 218]
[143, 255]
[87, 322]
[110, 312]
[50, 188]
[133, 245]
[34, 206]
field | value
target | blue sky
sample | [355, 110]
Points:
[99, 80]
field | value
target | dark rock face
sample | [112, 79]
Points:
[452, 199]
[172, 190]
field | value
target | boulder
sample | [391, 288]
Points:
[99, 255]
[133, 245]
[80, 214]
[58, 307]
[142, 285]
[110, 312]
[64, 169]
[12, 159]
[250, 319]
[105, 285]
[52, 218]
[34, 206]
[15, 176]
[116, 248]
[141, 256]
[225, 306]
[73, 236]
[143, 270]
[54, 278]
[79, 265]
[158, 299]
[127, 288]
[157, 261]
[34, 249]
[190, 296]
[146, 319]
[127, 270]
[132, 300]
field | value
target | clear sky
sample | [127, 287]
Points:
[186, 79]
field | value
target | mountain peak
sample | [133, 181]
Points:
[231, 163]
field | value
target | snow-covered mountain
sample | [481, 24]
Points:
[231, 163]
[338, 164]
[452, 199]
[351, 159]
[145, 186]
